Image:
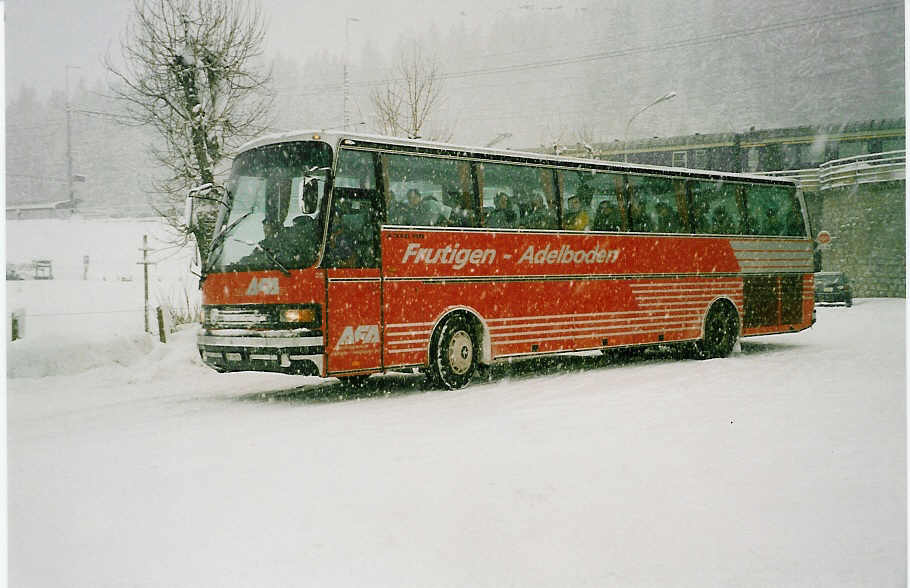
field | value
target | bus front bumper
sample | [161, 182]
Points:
[236, 350]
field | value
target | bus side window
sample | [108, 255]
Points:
[428, 191]
[577, 196]
[715, 208]
[774, 210]
[516, 196]
[607, 208]
[356, 169]
[590, 200]
[654, 206]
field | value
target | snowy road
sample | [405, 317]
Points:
[783, 465]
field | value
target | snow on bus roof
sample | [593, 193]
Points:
[334, 137]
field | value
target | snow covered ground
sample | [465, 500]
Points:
[132, 464]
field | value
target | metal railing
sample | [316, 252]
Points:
[808, 179]
[850, 171]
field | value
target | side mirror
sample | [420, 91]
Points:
[308, 192]
[308, 198]
[212, 192]
[195, 264]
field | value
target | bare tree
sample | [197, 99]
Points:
[387, 109]
[405, 104]
[189, 73]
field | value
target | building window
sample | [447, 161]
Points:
[680, 158]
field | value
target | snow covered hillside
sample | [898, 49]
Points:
[132, 464]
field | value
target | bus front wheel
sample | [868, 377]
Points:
[454, 354]
[721, 332]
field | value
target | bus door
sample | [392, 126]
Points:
[353, 288]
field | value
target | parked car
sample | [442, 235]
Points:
[833, 287]
[12, 274]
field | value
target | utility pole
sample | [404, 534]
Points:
[145, 263]
[345, 82]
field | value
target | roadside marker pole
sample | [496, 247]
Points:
[145, 271]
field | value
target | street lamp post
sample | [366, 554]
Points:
[664, 98]
[345, 82]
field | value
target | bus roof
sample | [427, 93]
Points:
[420, 145]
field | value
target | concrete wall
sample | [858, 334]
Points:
[868, 229]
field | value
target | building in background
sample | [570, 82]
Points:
[853, 177]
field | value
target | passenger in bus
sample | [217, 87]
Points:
[538, 216]
[417, 210]
[576, 217]
[607, 217]
[721, 222]
[639, 219]
[462, 214]
[666, 219]
[503, 216]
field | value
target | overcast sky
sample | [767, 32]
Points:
[44, 36]
[732, 64]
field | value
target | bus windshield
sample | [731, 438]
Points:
[275, 212]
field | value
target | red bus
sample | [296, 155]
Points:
[345, 255]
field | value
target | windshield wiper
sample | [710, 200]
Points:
[219, 238]
[268, 252]
[231, 226]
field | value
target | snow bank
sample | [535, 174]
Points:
[34, 358]
[83, 320]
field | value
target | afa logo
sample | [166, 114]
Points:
[362, 334]
[262, 286]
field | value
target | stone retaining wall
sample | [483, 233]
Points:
[868, 229]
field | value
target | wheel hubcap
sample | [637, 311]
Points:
[461, 352]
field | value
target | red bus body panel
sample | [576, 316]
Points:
[301, 286]
[536, 292]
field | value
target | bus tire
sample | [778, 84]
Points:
[721, 332]
[454, 354]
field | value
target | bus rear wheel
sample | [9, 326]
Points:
[721, 332]
[454, 354]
